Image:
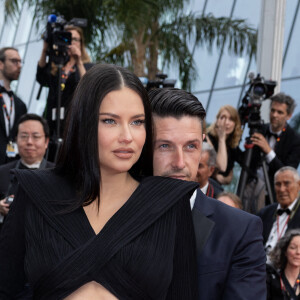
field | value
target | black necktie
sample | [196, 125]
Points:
[280, 211]
[3, 90]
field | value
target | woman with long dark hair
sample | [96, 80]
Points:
[96, 227]
[283, 275]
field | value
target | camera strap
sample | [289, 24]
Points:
[65, 76]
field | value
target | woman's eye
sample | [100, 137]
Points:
[164, 146]
[138, 122]
[108, 121]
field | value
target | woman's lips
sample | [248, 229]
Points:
[124, 153]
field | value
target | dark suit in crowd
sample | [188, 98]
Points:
[229, 248]
[214, 188]
[20, 109]
[287, 149]
[268, 216]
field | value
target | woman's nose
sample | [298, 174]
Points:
[125, 135]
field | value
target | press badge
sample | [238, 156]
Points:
[11, 149]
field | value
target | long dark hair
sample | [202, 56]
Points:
[278, 254]
[79, 156]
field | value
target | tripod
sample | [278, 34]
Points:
[56, 140]
[252, 206]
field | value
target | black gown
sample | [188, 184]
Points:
[145, 251]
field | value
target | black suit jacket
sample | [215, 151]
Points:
[20, 109]
[268, 216]
[230, 253]
[287, 151]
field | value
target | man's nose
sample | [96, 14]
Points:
[125, 135]
[178, 160]
[280, 188]
[29, 139]
[274, 113]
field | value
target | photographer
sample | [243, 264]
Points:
[72, 71]
[279, 143]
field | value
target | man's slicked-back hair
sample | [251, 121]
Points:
[173, 102]
[79, 156]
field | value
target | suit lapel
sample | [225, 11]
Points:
[203, 226]
[2, 122]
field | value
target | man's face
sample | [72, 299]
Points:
[278, 116]
[286, 188]
[204, 170]
[177, 147]
[31, 141]
[11, 67]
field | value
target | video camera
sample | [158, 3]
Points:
[58, 38]
[161, 81]
[258, 91]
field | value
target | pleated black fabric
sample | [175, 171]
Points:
[145, 251]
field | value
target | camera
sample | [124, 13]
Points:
[259, 90]
[161, 81]
[58, 38]
[9, 200]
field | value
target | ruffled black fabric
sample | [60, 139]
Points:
[145, 251]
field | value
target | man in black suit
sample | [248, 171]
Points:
[32, 141]
[230, 254]
[279, 143]
[279, 217]
[12, 107]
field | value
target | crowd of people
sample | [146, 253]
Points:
[136, 204]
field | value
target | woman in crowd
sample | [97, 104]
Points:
[73, 69]
[96, 227]
[283, 276]
[224, 135]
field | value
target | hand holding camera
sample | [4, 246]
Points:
[5, 204]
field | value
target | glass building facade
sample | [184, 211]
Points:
[221, 75]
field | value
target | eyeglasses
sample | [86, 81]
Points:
[74, 39]
[35, 137]
[16, 61]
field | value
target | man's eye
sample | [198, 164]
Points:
[191, 146]
[108, 121]
[138, 122]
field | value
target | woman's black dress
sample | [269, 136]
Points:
[145, 251]
[233, 154]
[274, 291]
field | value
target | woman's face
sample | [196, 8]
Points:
[121, 131]
[293, 252]
[227, 120]
[76, 40]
